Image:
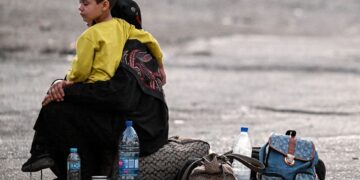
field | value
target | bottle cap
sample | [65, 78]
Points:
[73, 150]
[99, 177]
[128, 123]
[244, 129]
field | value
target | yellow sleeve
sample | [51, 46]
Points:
[83, 61]
[149, 40]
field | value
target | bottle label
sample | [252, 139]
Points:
[74, 166]
[129, 163]
[129, 166]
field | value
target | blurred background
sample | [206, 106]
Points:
[36, 23]
[271, 65]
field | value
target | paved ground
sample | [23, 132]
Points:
[248, 71]
[271, 84]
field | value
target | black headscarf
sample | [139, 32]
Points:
[129, 11]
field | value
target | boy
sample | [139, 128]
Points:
[99, 48]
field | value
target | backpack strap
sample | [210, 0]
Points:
[249, 162]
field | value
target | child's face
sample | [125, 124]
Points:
[90, 10]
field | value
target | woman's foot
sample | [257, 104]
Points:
[37, 162]
[40, 156]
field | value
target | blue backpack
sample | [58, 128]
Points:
[288, 158]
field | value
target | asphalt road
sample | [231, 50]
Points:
[268, 83]
[267, 64]
[271, 84]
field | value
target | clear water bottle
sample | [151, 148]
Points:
[73, 165]
[129, 154]
[243, 147]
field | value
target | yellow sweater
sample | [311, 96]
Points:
[99, 50]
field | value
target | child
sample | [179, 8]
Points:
[99, 48]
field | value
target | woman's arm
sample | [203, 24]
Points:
[146, 38]
[121, 92]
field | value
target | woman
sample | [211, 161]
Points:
[92, 116]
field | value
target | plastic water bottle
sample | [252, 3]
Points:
[129, 154]
[73, 165]
[243, 147]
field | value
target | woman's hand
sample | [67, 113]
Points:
[56, 92]
[163, 75]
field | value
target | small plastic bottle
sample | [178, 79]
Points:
[73, 165]
[129, 154]
[243, 147]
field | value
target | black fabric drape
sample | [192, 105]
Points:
[123, 97]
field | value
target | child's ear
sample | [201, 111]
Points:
[106, 5]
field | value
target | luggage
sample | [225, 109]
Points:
[287, 157]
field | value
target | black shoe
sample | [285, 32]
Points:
[37, 163]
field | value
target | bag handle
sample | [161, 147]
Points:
[291, 133]
[200, 161]
[249, 162]
[188, 170]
